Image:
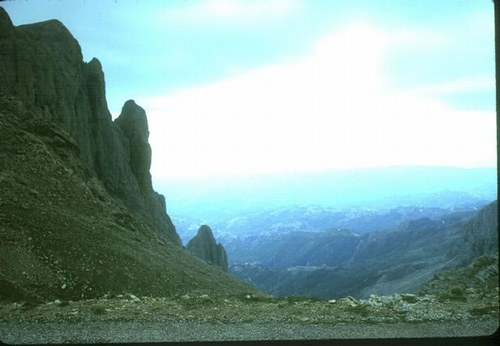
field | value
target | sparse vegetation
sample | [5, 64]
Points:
[457, 291]
[484, 310]
[260, 308]
[483, 261]
[295, 299]
[98, 310]
[409, 298]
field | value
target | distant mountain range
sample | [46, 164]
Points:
[314, 218]
[215, 200]
[329, 252]
[337, 263]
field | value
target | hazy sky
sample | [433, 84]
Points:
[241, 87]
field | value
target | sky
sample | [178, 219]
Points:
[236, 87]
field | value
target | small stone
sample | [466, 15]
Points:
[332, 301]
[349, 301]
[134, 298]
[17, 305]
[353, 302]
[63, 286]
[57, 302]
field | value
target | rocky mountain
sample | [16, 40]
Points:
[286, 247]
[41, 65]
[78, 215]
[479, 236]
[336, 264]
[204, 246]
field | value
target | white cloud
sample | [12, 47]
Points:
[460, 85]
[215, 11]
[330, 109]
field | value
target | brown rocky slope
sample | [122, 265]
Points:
[78, 215]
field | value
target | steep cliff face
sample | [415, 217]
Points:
[479, 236]
[204, 246]
[482, 232]
[78, 214]
[42, 66]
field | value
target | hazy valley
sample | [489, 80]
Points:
[330, 253]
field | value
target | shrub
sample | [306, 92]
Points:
[454, 293]
[483, 261]
[457, 291]
[362, 309]
[482, 310]
[63, 303]
[409, 298]
[98, 310]
[295, 299]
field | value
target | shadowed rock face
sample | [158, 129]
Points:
[204, 246]
[479, 236]
[41, 65]
[134, 125]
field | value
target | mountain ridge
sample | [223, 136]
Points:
[332, 265]
[42, 66]
[79, 217]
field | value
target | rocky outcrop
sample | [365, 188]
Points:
[41, 65]
[479, 236]
[204, 246]
[134, 124]
[482, 232]
[78, 215]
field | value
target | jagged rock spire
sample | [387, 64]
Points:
[204, 246]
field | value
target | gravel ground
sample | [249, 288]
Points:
[131, 319]
[127, 332]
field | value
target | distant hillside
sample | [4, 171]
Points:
[316, 218]
[339, 263]
[259, 237]
[79, 217]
